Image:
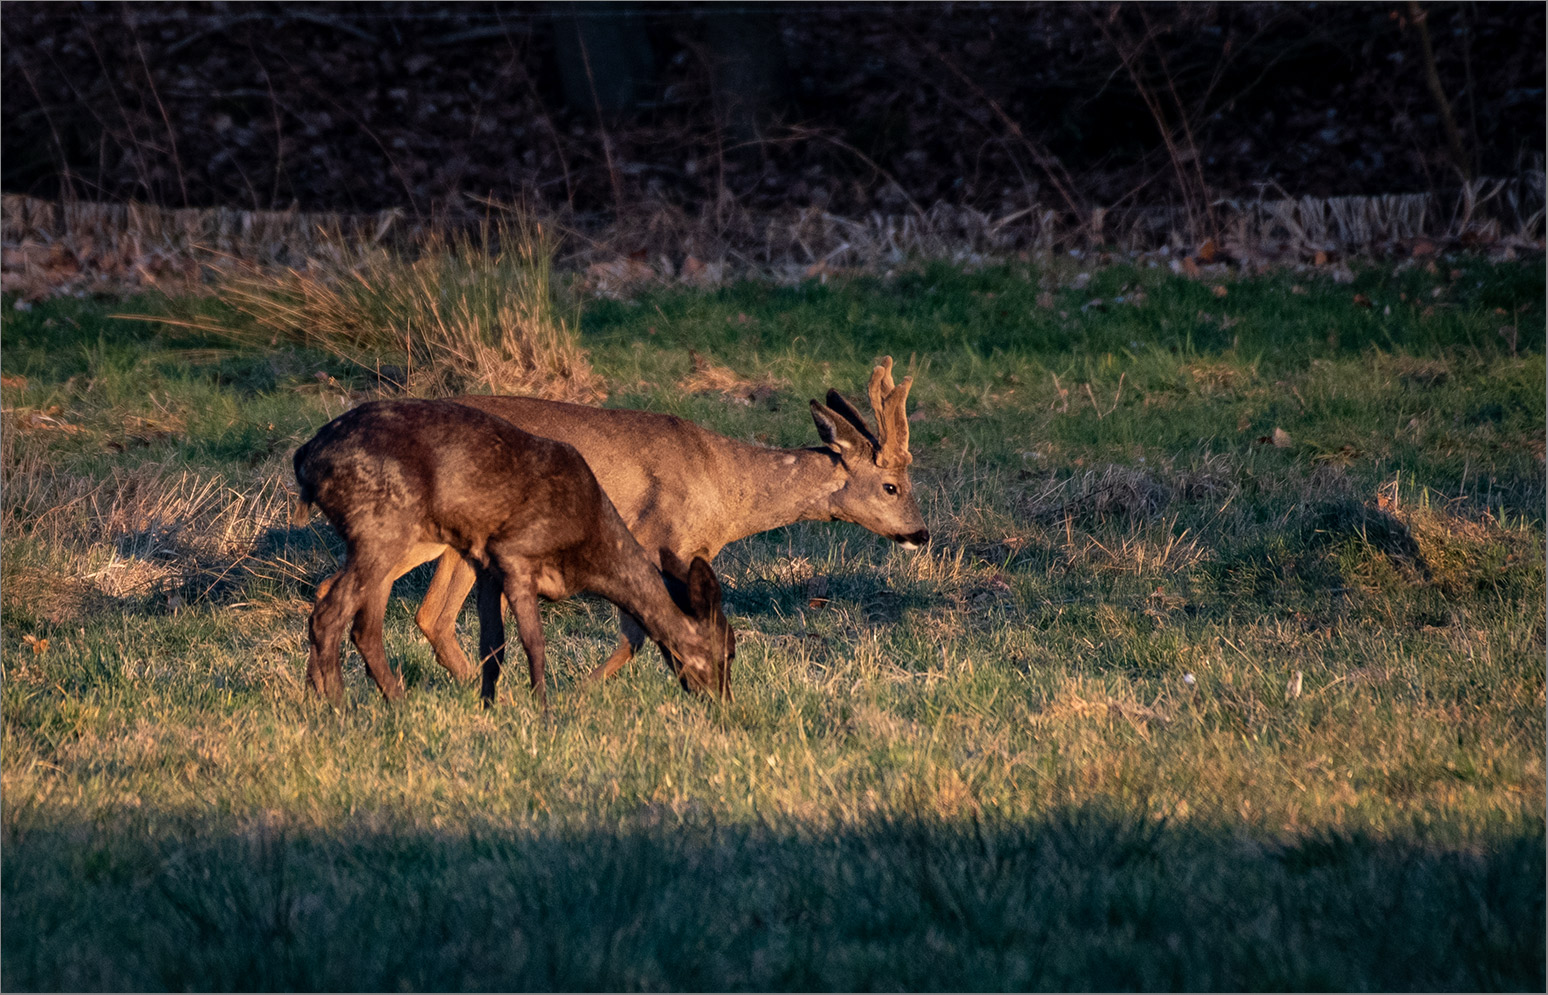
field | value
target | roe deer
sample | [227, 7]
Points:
[402, 481]
[682, 488]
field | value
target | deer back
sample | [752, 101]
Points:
[449, 474]
[662, 473]
[683, 487]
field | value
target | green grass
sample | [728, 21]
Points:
[1055, 750]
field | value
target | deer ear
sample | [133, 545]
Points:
[849, 413]
[839, 435]
[703, 588]
[672, 565]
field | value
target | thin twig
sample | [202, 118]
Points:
[1045, 160]
[1459, 156]
[543, 115]
[166, 119]
[607, 141]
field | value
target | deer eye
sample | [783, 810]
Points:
[889, 488]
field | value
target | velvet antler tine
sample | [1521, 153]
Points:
[880, 387]
[897, 431]
[887, 401]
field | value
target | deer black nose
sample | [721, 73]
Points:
[913, 540]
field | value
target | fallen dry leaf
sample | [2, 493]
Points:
[1280, 438]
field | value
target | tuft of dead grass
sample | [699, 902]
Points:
[465, 313]
[708, 377]
[1111, 491]
[1457, 551]
[150, 531]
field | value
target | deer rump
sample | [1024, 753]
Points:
[401, 481]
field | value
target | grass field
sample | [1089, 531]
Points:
[1060, 748]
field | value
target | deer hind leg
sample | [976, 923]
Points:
[325, 635]
[629, 643]
[375, 583]
[337, 601]
[437, 615]
[491, 632]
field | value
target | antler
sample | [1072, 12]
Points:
[887, 400]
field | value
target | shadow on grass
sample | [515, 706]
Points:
[280, 562]
[865, 591]
[1087, 898]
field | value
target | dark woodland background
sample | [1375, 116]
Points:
[604, 109]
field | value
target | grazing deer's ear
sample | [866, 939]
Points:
[703, 587]
[672, 565]
[839, 435]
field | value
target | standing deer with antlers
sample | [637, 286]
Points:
[688, 492]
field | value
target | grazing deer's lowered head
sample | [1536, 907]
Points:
[876, 493]
[695, 590]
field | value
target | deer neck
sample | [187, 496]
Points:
[771, 488]
[634, 584]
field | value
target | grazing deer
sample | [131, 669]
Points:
[684, 489]
[403, 481]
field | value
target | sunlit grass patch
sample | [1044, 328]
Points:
[1169, 701]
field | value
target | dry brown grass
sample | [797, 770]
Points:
[153, 531]
[708, 377]
[464, 313]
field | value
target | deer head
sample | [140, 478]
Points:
[875, 493]
[703, 662]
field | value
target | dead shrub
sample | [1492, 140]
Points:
[1113, 491]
